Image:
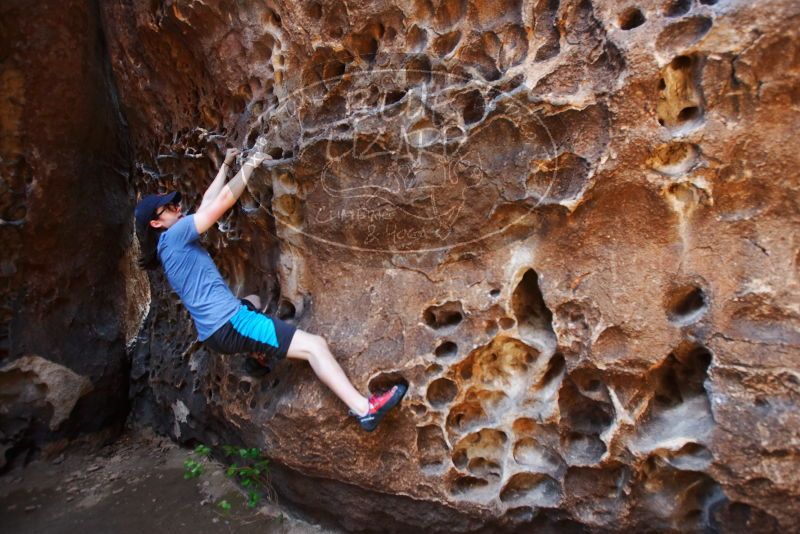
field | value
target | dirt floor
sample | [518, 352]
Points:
[134, 485]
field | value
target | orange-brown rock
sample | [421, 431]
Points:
[569, 225]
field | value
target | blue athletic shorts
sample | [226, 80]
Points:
[252, 331]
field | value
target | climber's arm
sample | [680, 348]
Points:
[216, 186]
[227, 197]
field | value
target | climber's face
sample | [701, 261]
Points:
[167, 215]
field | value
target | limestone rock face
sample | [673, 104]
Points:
[569, 226]
[65, 227]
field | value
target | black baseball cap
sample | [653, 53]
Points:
[146, 208]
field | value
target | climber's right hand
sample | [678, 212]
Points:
[230, 156]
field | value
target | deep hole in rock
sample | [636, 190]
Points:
[363, 45]
[667, 391]
[392, 97]
[482, 453]
[444, 315]
[546, 29]
[685, 304]
[555, 367]
[274, 152]
[441, 391]
[466, 373]
[446, 349]
[494, 293]
[485, 468]
[433, 369]
[251, 138]
[693, 370]
[384, 381]
[581, 413]
[631, 18]
[507, 323]
[680, 100]
[472, 106]
[418, 70]
[676, 8]
[286, 310]
[681, 63]
[682, 375]
[332, 70]
[535, 320]
[537, 488]
[683, 34]
[688, 113]
[472, 412]
[444, 44]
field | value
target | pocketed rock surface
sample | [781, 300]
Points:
[569, 226]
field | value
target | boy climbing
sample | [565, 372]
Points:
[227, 325]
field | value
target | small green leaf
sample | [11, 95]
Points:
[252, 498]
[225, 505]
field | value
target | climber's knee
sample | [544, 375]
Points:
[305, 346]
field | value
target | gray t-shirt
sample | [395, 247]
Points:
[194, 277]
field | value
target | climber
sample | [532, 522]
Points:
[224, 323]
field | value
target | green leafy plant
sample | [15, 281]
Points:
[248, 468]
[193, 467]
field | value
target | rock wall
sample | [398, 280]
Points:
[568, 225]
[65, 229]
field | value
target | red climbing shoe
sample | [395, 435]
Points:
[379, 405]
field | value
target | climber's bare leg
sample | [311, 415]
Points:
[314, 349]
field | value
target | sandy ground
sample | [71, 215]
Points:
[134, 485]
